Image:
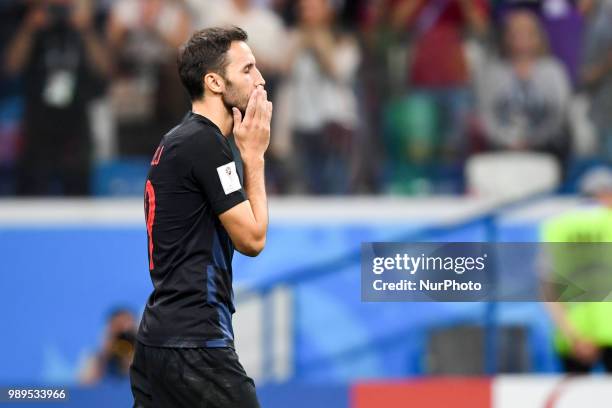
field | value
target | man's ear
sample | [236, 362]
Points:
[214, 82]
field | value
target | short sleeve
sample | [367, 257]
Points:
[215, 172]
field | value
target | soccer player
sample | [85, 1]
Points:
[202, 200]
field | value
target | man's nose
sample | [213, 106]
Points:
[260, 80]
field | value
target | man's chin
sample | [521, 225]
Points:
[230, 106]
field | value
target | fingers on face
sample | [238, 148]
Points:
[237, 117]
[249, 114]
[261, 100]
[268, 110]
[258, 107]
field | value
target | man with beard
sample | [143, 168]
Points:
[202, 200]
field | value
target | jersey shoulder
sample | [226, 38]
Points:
[197, 137]
[194, 138]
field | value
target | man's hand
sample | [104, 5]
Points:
[20, 47]
[252, 133]
[36, 19]
[247, 222]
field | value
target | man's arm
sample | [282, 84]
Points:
[581, 348]
[247, 222]
[19, 50]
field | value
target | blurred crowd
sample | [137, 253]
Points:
[371, 96]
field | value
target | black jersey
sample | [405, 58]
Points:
[195, 175]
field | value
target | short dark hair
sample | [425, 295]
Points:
[206, 52]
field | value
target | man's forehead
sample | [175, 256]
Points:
[240, 53]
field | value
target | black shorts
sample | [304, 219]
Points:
[190, 377]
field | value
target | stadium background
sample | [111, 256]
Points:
[413, 168]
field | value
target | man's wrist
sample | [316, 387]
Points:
[253, 160]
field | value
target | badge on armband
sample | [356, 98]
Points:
[229, 178]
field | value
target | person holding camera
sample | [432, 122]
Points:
[60, 59]
[114, 359]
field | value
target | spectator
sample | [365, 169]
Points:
[374, 87]
[596, 74]
[146, 92]
[60, 56]
[525, 95]
[322, 65]
[114, 359]
[437, 67]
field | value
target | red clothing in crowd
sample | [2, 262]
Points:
[438, 59]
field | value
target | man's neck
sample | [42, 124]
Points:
[216, 113]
